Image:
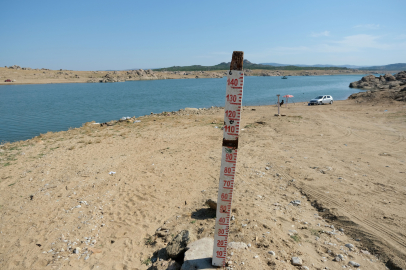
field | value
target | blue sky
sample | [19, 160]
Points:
[99, 35]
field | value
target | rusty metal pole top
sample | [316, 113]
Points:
[237, 60]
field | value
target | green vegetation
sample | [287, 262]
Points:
[315, 232]
[247, 65]
[147, 261]
[296, 238]
[149, 240]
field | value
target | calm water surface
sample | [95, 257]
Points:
[29, 110]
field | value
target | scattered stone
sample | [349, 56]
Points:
[349, 246]
[166, 265]
[191, 109]
[352, 263]
[296, 261]
[296, 202]
[199, 255]
[237, 245]
[177, 246]
[272, 252]
[76, 250]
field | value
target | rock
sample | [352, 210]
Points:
[162, 233]
[199, 255]
[389, 77]
[166, 265]
[349, 245]
[76, 250]
[237, 245]
[272, 252]
[352, 263]
[191, 109]
[14, 67]
[296, 202]
[212, 204]
[304, 268]
[296, 261]
[177, 246]
[368, 78]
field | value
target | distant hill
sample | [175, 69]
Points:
[398, 66]
[247, 65]
[283, 65]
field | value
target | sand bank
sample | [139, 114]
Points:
[46, 76]
[345, 162]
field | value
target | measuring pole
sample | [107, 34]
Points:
[278, 104]
[235, 82]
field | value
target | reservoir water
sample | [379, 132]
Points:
[29, 110]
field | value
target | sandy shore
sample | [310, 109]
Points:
[45, 76]
[345, 162]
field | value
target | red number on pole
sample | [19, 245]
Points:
[232, 82]
[221, 231]
[227, 183]
[224, 196]
[219, 253]
[223, 209]
[227, 170]
[222, 220]
[229, 156]
[229, 128]
[231, 98]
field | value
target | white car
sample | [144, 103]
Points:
[320, 100]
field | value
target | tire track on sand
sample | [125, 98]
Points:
[376, 232]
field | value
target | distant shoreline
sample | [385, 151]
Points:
[45, 76]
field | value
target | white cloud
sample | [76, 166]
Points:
[354, 43]
[368, 26]
[321, 34]
[361, 41]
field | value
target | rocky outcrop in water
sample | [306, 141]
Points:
[386, 86]
[387, 81]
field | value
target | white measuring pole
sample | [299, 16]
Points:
[235, 82]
